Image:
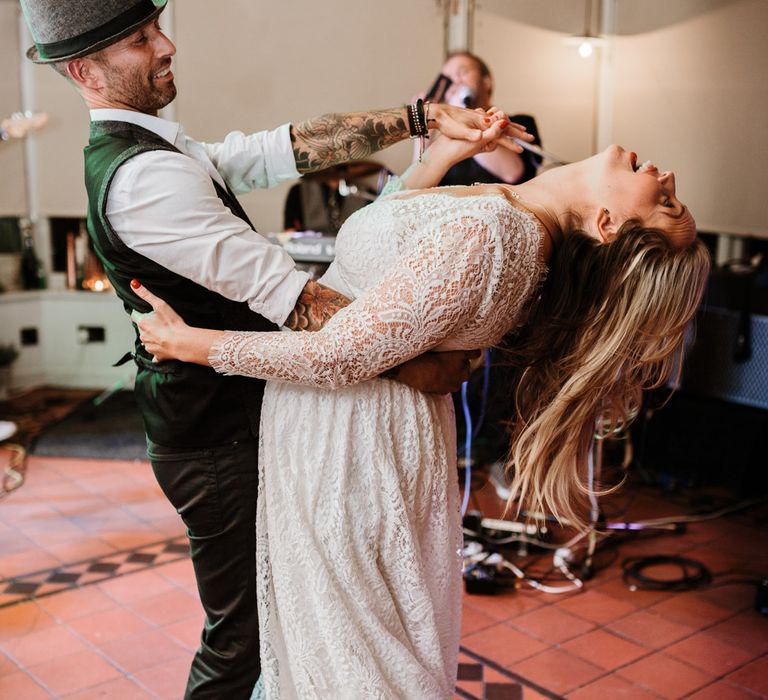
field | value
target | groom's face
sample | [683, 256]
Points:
[136, 71]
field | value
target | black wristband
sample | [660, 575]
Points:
[411, 120]
[417, 124]
[421, 118]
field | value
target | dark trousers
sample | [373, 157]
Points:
[214, 492]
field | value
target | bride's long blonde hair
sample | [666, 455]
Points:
[610, 322]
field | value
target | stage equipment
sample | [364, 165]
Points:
[761, 599]
[729, 359]
[714, 431]
[437, 92]
[694, 575]
[551, 158]
[573, 560]
[351, 172]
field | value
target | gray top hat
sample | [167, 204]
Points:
[62, 29]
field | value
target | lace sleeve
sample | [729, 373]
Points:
[436, 286]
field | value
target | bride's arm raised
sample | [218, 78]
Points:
[317, 303]
[431, 292]
[444, 152]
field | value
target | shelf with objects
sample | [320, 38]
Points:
[58, 308]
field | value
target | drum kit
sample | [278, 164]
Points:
[352, 178]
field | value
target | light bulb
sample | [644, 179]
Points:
[585, 49]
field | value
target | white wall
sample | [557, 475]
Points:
[536, 73]
[685, 87]
[60, 146]
[61, 357]
[691, 93]
[12, 198]
[252, 65]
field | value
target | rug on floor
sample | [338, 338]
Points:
[37, 409]
[108, 429]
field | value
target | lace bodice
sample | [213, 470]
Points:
[431, 271]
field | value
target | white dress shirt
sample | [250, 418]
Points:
[164, 206]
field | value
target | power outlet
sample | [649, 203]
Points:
[91, 334]
[29, 336]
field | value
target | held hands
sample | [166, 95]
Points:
[446, 152]
[477, 127]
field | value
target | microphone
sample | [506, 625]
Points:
[465, 96]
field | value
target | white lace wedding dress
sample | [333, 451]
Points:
[358, 527]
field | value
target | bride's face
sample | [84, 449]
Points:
[632, 190]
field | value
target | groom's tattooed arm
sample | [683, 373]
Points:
[337, 138]
[314, 307]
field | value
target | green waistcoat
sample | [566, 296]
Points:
[183, 405]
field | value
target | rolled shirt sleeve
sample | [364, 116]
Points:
[164, 206]
[259, 160]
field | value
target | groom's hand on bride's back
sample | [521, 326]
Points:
[435, 372]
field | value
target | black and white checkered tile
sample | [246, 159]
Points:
[51, 581]
[478, 678]
[482, 679]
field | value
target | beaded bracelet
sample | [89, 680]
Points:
[417, 123]
[420, 115]
[413, 127]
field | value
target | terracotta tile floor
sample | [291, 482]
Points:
[98, 600]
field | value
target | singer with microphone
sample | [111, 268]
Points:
[466, 81]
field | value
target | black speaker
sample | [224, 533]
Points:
[729, 358]
[693, 441]
[714, 430]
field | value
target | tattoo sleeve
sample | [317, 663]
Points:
[314, 307]
[337, 138]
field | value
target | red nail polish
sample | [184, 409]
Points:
[135, 284]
